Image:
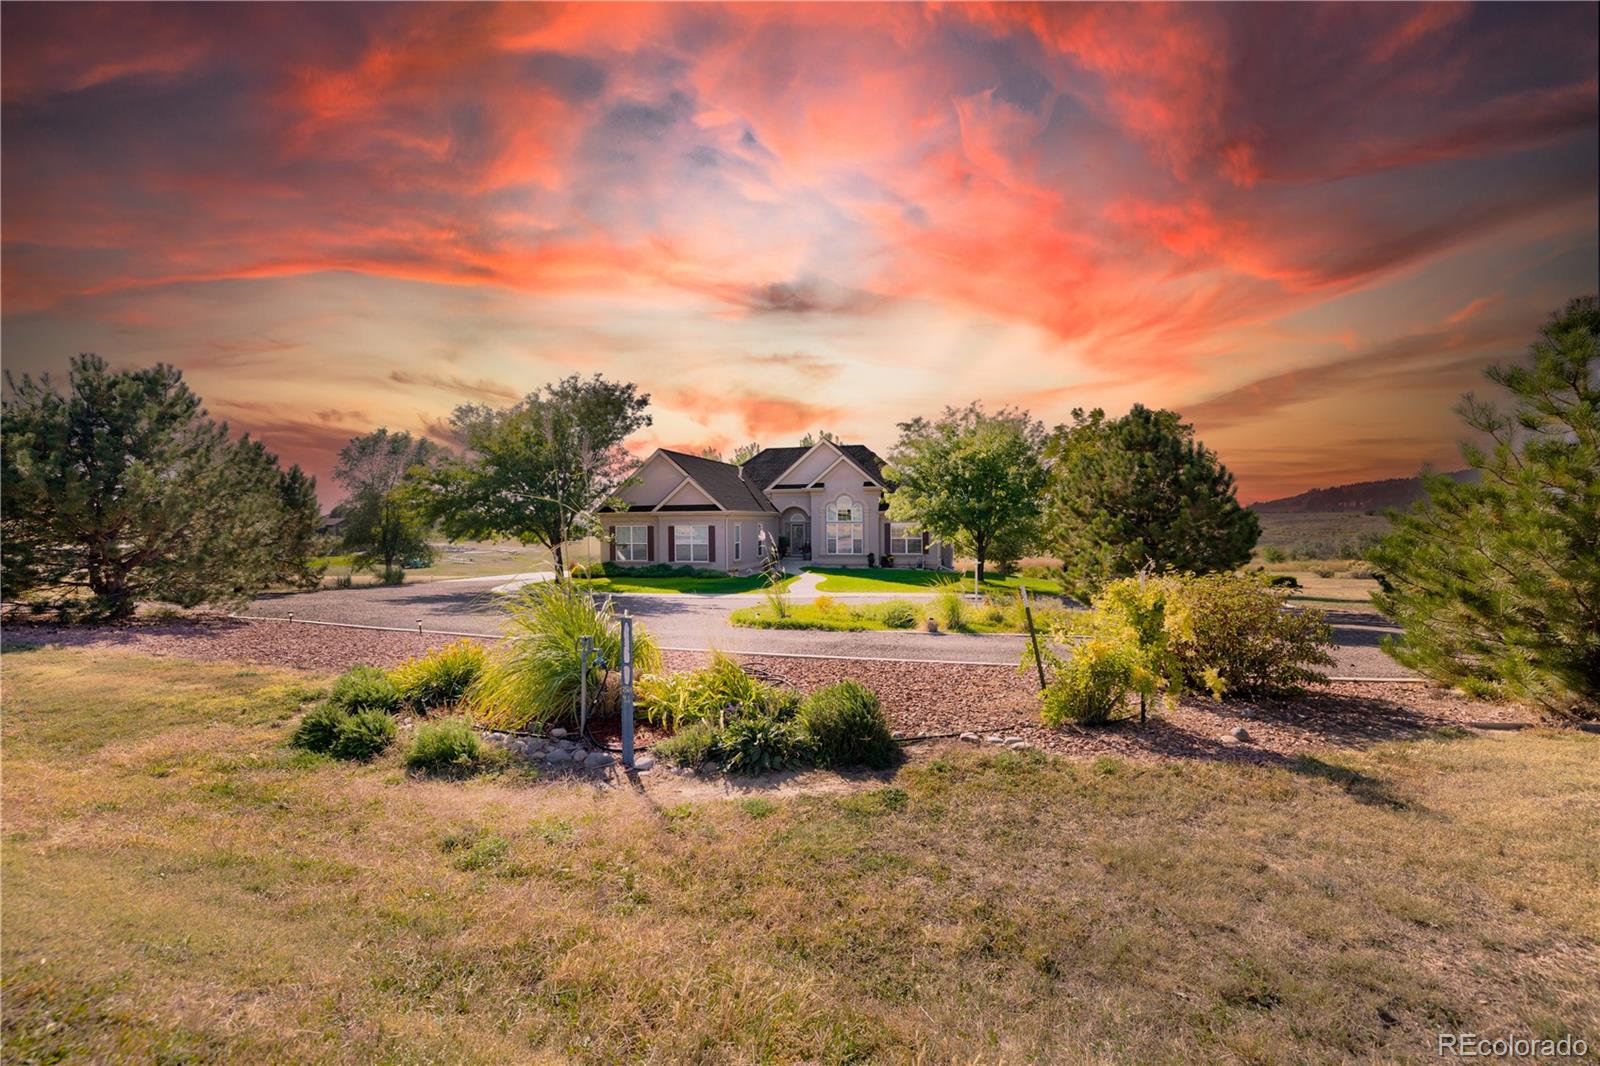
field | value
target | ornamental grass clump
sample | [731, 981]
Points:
[440, 678]
[535, 680]
[845, 726]
[331, 730]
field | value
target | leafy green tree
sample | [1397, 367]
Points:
[1137, 492]
[745, 452]
[380, 522]
[539, 470]
[820, 435]
[970, 477]
[121, 489]
[1496, 583]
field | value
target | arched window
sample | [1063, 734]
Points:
[846, 527]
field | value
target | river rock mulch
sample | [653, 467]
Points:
[920, 699]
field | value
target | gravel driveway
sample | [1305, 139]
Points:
[698, 623]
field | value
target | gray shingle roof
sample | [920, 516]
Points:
[738, 488]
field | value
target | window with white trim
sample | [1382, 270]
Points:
[738, 541]
[905, 538]
[845, 527]
[633, 543]
[691, 544]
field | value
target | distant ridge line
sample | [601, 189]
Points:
[1356, 497]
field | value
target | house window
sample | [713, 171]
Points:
[738, 541]
[905, 538]
[633, 543]
[845, 524]
[691, 544]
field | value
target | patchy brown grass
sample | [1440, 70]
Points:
[180, 885]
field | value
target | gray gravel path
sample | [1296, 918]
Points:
[700, 623]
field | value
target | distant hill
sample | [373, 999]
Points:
[1357, 497]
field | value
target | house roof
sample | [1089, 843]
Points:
[722, 482]
[770, 463]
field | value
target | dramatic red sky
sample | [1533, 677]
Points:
[1306, 227]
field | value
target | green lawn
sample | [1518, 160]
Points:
[878, 579]
[824, 614]
[707, 586]
[180, 886]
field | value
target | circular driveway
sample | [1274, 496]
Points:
[690, 622]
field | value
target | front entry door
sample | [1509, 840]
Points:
[799, 536]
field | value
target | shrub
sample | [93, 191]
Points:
[365, 688]
[1232, 635]
[845, 726]
[693, 746]
[319, 728]
[1124, 649]
[762, 738]
[443, 746]
[824, 604]
[1274, 555]
[1091, 685]
[363, 734]
[699, 695]
[898, 615]
[534, 682]
[441, 677]
[1282, 581]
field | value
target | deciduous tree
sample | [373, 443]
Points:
[380, 522]
[119, 489]
[970, 477]
[539, 470]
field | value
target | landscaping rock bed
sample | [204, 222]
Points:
[920, 699]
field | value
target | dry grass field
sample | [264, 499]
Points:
[179, 885]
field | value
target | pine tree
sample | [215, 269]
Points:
[1139, 491]
[1496, 583]
[121, 490]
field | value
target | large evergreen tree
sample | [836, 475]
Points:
[971, 478]
[1497, 582]
[121, 489]
[539, 470]
[380, 523]
[1140, 491]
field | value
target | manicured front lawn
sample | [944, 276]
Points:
[707, 586]
[181, 886]
[825, 614]
[878, 579]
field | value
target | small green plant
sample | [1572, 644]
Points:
[442, 677]
[898, 615]
[777, 597]
[319, 728]
[692, 746]
[845, 726]
[442, 747]
[365, 688]
[762, 739]
[697, 696]
[1274, 555]
[363, 734]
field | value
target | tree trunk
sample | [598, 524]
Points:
[978, 551]
[561, 561]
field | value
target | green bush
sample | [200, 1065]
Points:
[656, 570]
[439, 747]
[363, 734]
[534, 682]
[365, 688]
[1232, 635]
[1282, 581]
[845, 726]
[1155, 636]
[763, 737]
[693, 746]
[701, 695]
[1274, 555]
[442, 677]
[898, 615]
[319, 728]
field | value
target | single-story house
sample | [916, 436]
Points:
[826, 503]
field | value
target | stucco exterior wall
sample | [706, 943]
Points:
[722, 522]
